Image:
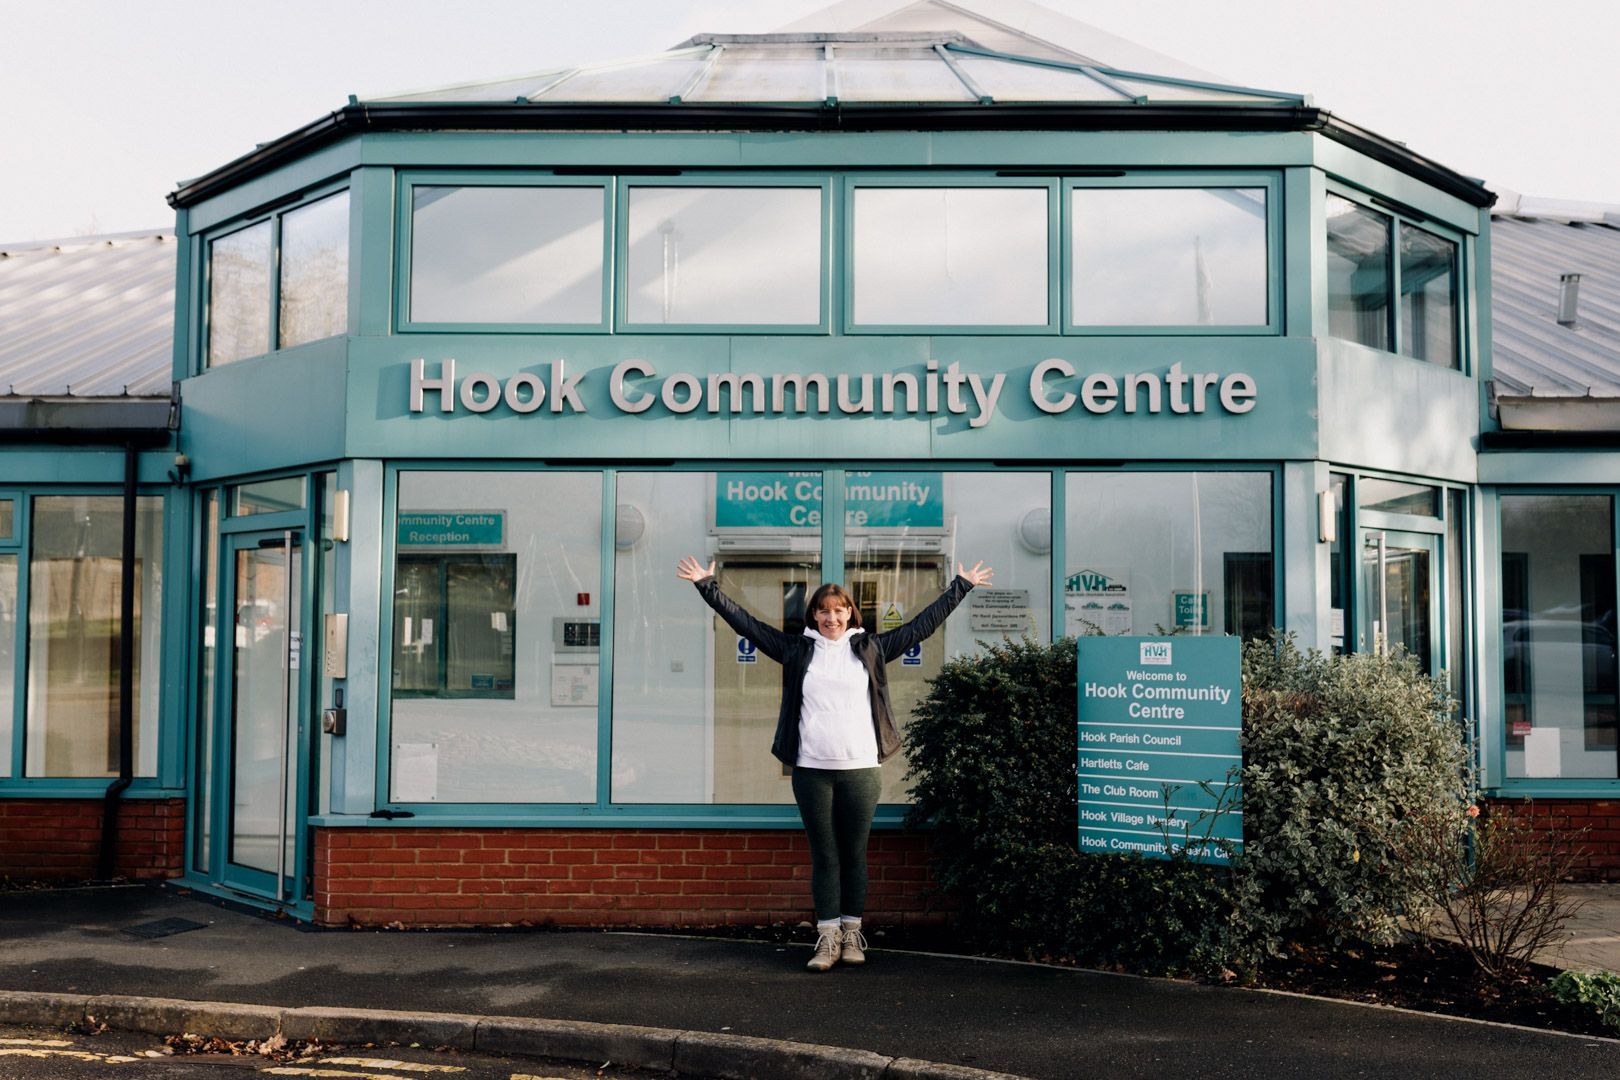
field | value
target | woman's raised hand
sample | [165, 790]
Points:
[979, 575]
[689, 569]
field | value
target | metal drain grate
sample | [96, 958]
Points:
[163, 928]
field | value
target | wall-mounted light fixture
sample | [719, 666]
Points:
[1327, 517]
[1035, 531]
[628, 526]
[340, 516]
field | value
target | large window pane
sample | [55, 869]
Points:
[1358, 273]
[315, 271]
[494, 622]
[694, 706]
[75, 585]
[1169, 256]
[950, 257]
[904, 534]
[725, 255]
[506, 254]
[1428, 297]
[1558, 635]
[8, 656]
[239, 295]
[208, 618]
[1150, 553]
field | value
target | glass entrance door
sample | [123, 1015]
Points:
[1399, 595]
[263, 716]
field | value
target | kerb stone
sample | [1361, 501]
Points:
[622, 1044]
[379, 1026]
[738, 1057]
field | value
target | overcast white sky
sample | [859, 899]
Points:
[106, 104]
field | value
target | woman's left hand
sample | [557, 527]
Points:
[979, 575]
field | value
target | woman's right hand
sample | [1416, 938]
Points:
[689, 569]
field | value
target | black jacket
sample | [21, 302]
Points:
[872, 650]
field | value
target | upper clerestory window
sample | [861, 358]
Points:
[950, 256]
[1168, 256]
[723, 256]
[252, 309]
[508, 255]
[1406, 305]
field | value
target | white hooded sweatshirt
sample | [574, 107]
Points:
[835, 721]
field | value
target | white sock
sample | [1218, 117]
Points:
[826, 926]
[850, 922]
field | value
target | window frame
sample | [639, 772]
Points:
[624, 183]
[1500, 783]
[273, 215]
[167, 780]
[851, 183]
[407, 180]
[1271, 181]
[1398, 216]
[602, 812]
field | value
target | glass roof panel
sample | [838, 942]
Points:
[1156, 91]
[792, 73]
[896, 74]
[1006, 80]
[504, 90]
[650, 80]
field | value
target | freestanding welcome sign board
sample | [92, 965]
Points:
[1160, 759]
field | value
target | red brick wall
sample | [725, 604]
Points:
[1600, 847]
[60, 839]
[595, 877]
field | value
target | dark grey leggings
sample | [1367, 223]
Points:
[836, 806]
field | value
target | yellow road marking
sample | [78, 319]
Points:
[29, 1051]
[294, 1070]
[35, 1042]
[381, 1063]
[531, 1076]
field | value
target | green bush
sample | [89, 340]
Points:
[1597, 991]
[1339, 753]
[1338, 750]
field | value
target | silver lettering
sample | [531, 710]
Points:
[848, 405]
[520, 381]
[693, 391]
[802, 385]
[734, 384]
[986, 400]
[1037, 386]
[621, 394]
[492, 392]
[564, 389]
[1237, 393]
[1098, 392]
[444, 385]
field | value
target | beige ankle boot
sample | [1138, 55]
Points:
[853, 945]
[828, 950]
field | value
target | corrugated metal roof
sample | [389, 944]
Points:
[1533, 242]
[92, 316]
[856, 67]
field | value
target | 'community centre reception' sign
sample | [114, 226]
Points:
[1157, 716]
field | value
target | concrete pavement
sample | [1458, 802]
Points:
[738, 998]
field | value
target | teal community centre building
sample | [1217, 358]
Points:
[338, 521]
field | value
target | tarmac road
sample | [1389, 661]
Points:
[1026, 1019]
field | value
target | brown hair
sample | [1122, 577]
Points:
[832, 593]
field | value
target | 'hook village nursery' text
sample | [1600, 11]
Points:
[1055, 387]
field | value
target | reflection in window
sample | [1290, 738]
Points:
[8, 669]
[506, 254]
[268, 496]
[905, 532]
[1428, 297]
[1397, 497]
[1338, 565]
[950, 256]
[495, 695]
[1358, 273]
[239, 295]
[208, 623]
[455, 621]
[1168, 256]
[1558, 635]
[724, 256]
[694, 706]
[315, 271]
[75, 582]
[1152, 553]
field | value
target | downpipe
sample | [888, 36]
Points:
[126, 675]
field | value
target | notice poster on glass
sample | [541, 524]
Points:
[1097, 602]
